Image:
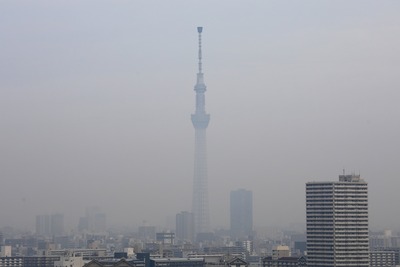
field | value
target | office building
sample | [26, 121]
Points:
[99, 223]
[241, 213]
[337, 222]
[185, 226]
[94, 221]
[57, 224]
[43, 224]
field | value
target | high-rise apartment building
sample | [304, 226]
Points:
[43, 224]
[185, 226]
[94, 221]
[50, 224]
[241, 207]
[337, 222]
[57, 224]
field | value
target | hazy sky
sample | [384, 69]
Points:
[96, 97]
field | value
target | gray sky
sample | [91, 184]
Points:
[96, 97]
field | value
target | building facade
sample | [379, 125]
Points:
[185, 226]
[41, 261]
[337, 222]
[270, 261]
[382, 258]
[241, 213]
[43, 224]
[57, 224]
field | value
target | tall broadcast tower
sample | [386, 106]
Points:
[200, 121]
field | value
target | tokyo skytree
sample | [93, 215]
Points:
[200, 120]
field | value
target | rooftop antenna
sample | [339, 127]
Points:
[199, 30]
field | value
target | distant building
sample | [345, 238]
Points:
[165, 238]
[57, 224]
[177, 262]
[69, 260]
[226, 250]
[185, 226]
[270, 261]
[299, 244]
[299, 247]
[247, 245]
[382, 258]
[222, 260]
[41, 261]
[85, 253]
[5, 251]
[384, 239]
[280, 252]
[43, 224]
[100, 222]
[237, 262]
[115, 263]
[147, 233]
[395, 250]
[337, 222]
[11, 261]
[205, 237]
[94, 221]
[241, 213]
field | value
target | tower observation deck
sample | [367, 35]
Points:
[200, 120]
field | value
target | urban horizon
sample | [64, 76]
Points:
[96, 117]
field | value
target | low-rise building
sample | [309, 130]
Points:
[382, 258]
[284, 261]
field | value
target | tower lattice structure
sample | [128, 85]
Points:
[200, 120]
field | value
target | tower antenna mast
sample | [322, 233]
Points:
[200, 120]
[200, 30]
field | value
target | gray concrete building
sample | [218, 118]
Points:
[57, 224]
[382, 258]
[337, 222]
[185, 226]
[241, 213]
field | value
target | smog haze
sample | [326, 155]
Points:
[96, 98]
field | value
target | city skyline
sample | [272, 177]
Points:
[95, 100]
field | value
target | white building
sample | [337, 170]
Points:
[280, 252]
[337, 222]
[5, 251]
[70, 260]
